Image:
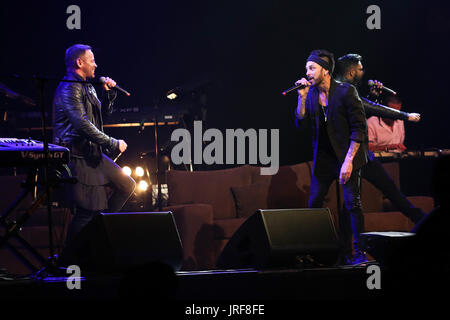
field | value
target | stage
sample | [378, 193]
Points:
[186, 287]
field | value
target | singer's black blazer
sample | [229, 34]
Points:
[346, 121]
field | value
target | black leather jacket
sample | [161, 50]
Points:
[378, 110]
[77, 120]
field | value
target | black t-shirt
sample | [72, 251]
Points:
[324, 145]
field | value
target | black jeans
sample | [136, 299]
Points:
[122, 187]
[351, 220]
[375, 173]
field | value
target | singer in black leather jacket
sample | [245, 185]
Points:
[78, 125]
[77, 121]
[349, 69]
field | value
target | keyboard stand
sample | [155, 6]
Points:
[12, 227]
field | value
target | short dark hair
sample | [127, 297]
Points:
[329, 57]
[73, 53]
[345, 63]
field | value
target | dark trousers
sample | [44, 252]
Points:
[351, 220]
[375, 173]
[122, 187]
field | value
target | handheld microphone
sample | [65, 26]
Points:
[103, 80]
[300, 86]
[371, 83]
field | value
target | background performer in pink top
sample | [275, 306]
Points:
[387, 134]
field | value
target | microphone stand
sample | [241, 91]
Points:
[158, 180]
[157, 151]
[40, 82]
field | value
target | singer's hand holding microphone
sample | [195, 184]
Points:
[109, 83]
[299, 86]
[376, 87]
[303, 87]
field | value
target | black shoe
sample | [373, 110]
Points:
[345, 260]
[360, 257]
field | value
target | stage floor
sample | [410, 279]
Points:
[187, 287]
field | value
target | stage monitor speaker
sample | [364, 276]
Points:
[118, 242]
[283, 238]
[381, 245]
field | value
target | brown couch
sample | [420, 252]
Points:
[209, 206]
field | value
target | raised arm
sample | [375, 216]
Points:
[300, 111]
[378, 110]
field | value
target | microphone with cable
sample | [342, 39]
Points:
[103, 81]
[300, 86]
[371, 83]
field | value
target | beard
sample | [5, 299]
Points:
[357, 82]
[91, 75]
[89, 72]
[317, 81]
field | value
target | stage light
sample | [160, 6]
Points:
[139, 171]
[193, 88]
[127, 170]
[143, 185]
[174, 93]
[171, 95]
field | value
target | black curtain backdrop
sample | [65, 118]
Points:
[251, 50]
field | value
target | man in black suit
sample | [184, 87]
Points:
[336, 115]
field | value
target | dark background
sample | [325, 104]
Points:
[250, 50]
